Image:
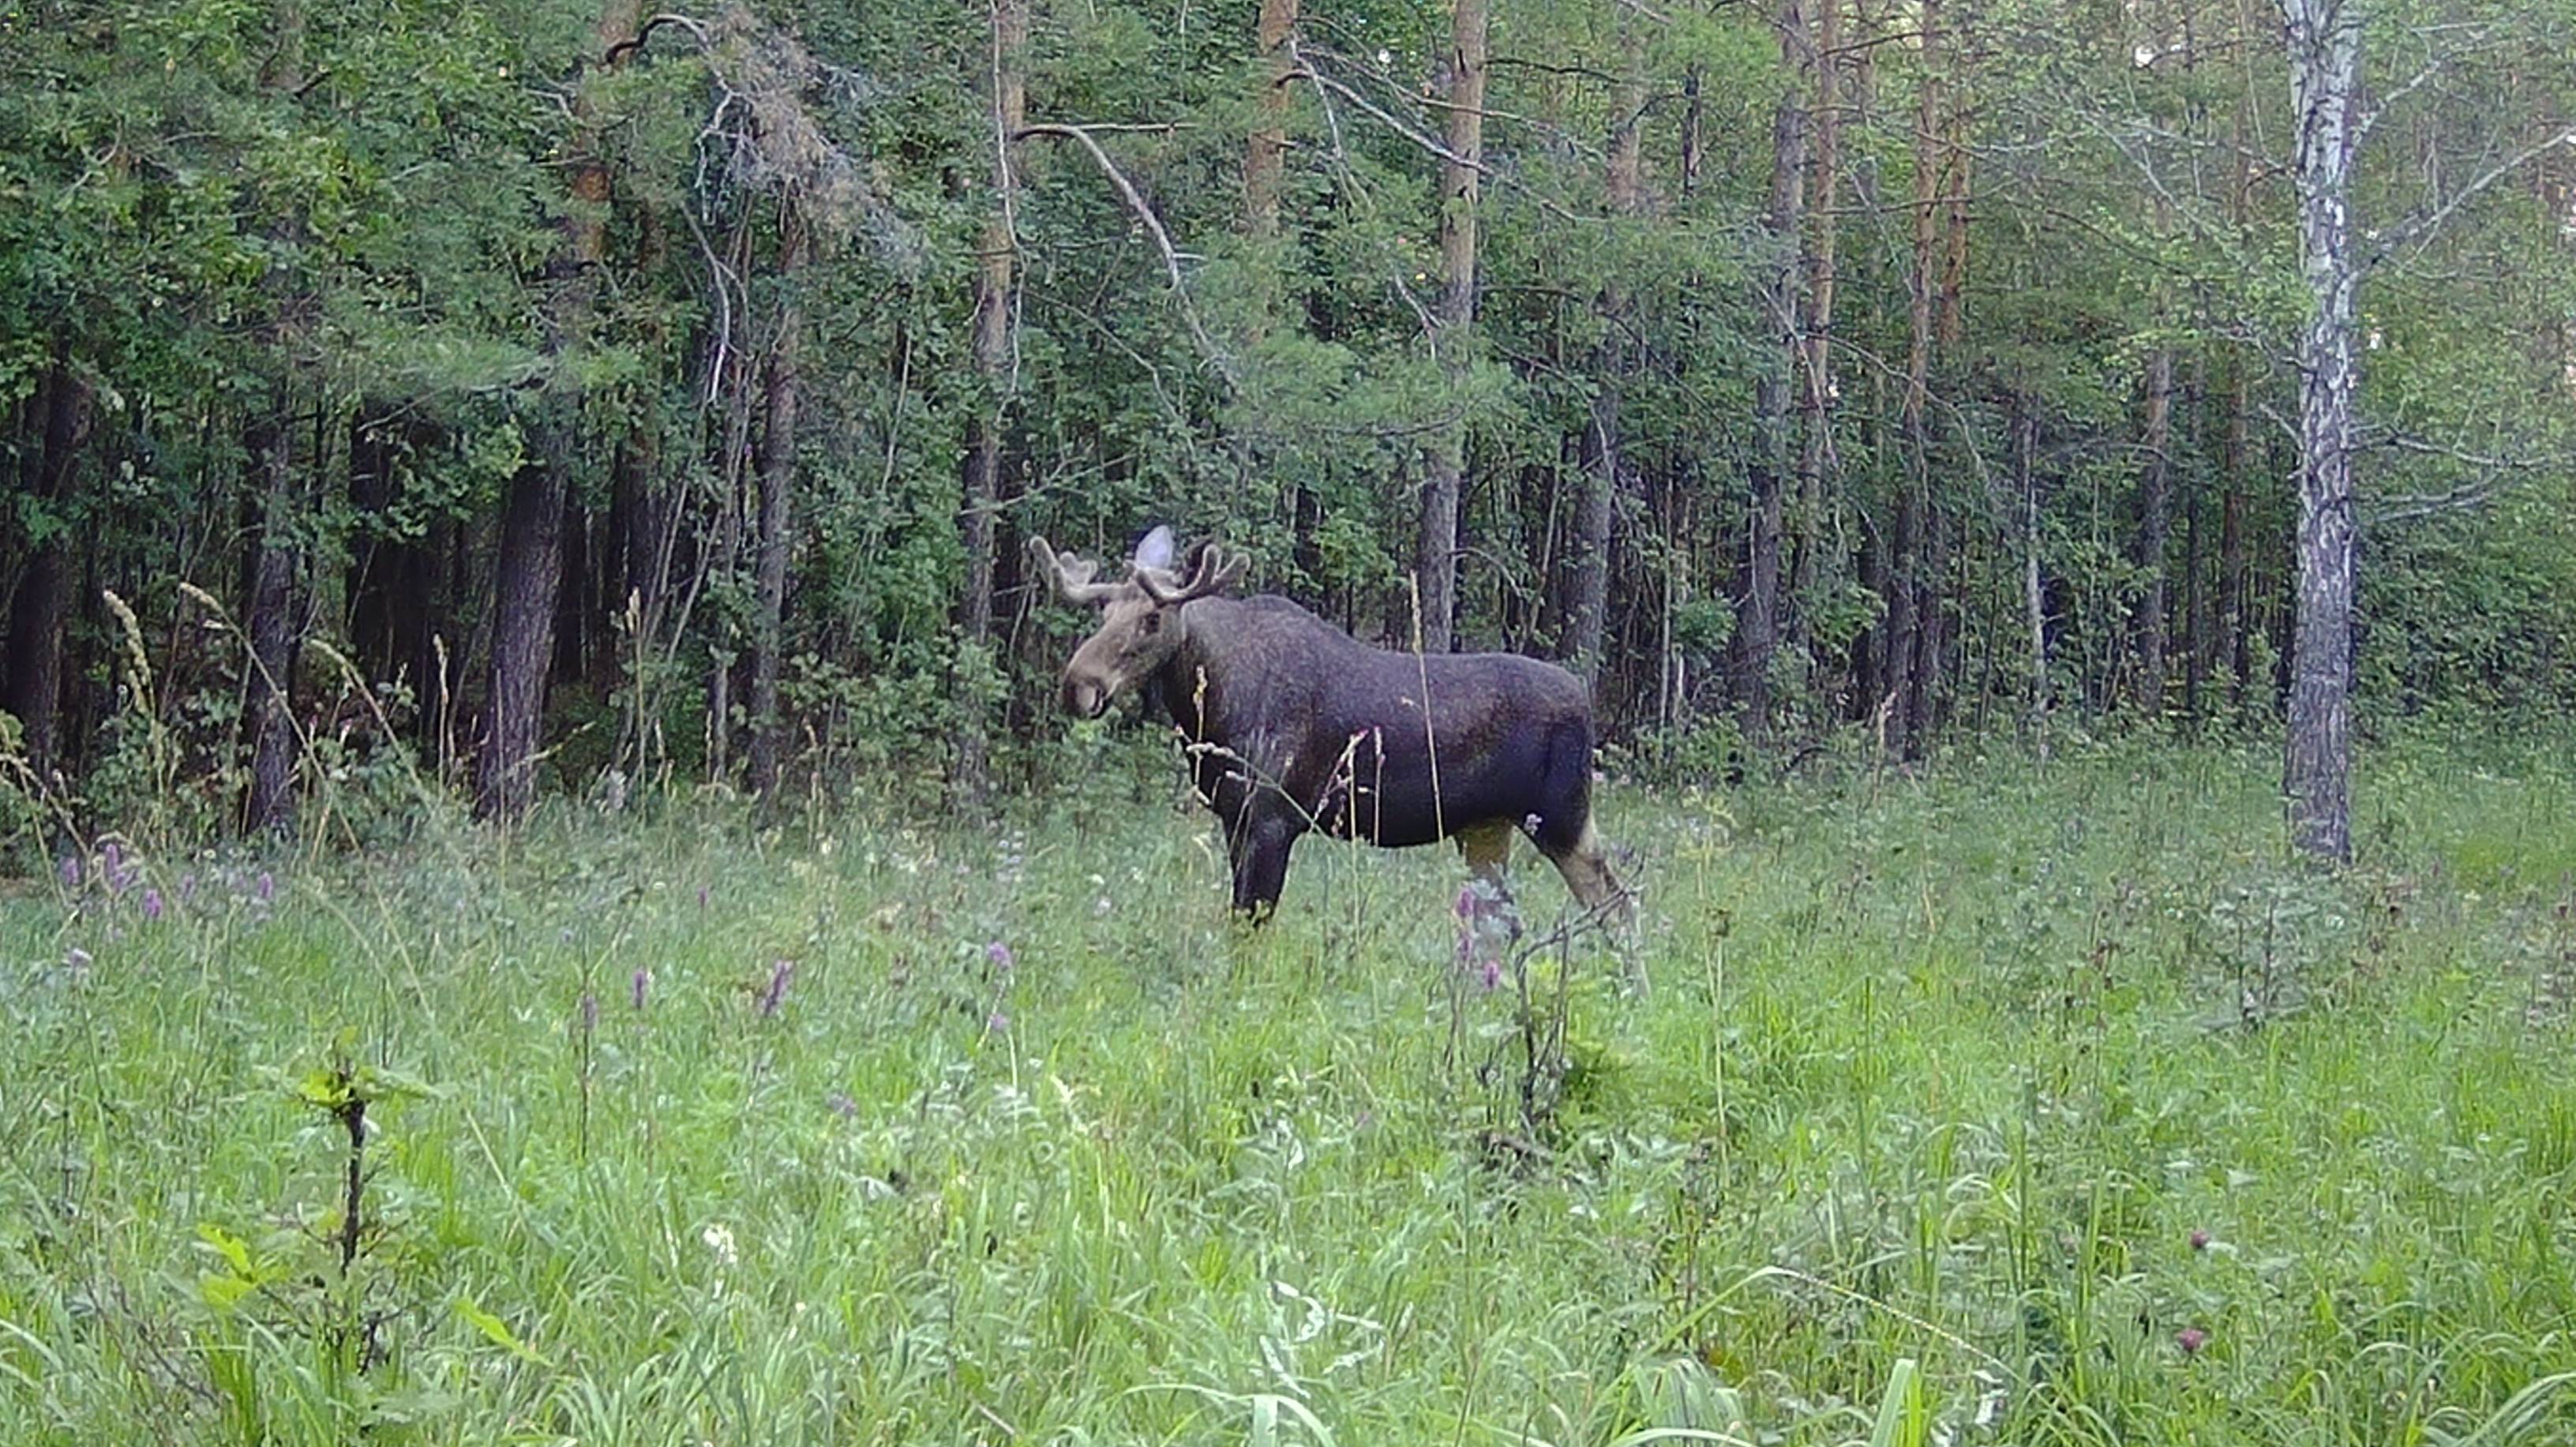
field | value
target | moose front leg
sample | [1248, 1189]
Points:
[1258, 844]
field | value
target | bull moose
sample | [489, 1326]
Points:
[1293, 725]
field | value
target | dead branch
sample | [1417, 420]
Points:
[1153, 225]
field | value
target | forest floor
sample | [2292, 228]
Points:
[2016, 1103]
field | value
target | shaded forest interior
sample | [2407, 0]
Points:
[556, 389]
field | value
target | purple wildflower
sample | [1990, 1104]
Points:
[997, 1022]
[2191, 1339]
[1493, 974]
[776, 994]
[111, 860]
[71, 871]
[998, 955]
[2199, 1240]
[643, 985]
[702, 896]
[589, 1012]
[78, 958]
[842, 1106]
[266, 891]
[151, 904]
[1467, 902]
[187, 886]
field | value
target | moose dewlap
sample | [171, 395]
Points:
[1293, 725]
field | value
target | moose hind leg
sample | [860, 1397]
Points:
[1587, 873]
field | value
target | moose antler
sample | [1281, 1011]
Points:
[1069, 575]
[1210, 571]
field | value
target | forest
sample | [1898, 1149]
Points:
[551, 890]
[555, 395]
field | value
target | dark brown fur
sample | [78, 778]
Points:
[1294, 726]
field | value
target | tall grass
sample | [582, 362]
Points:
[2015, 1104]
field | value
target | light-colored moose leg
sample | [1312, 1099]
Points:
[1587, 873]
[1488, 851]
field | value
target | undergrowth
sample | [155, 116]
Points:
[2016, 1103]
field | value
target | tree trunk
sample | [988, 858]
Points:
[995, 301]
[1595, 508]
[2325, 60]
[523, 623]
[1910, 584]
[58, 424]
[1454, 315]
[1757, 616]
[2195, 596]
[777, 493]
[2235, 609]
[2155, 526]
[2033, 592]
[1264, 157]
[1816, 381]
[531, 562]
[270, 618]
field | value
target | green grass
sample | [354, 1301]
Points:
[1907, 1141]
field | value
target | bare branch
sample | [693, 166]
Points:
[1153, 226]
[1427, 143]
[2420, 231]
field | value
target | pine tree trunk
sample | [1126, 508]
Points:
[2325, 53]
[1595, 508]
[995, 301]
[530, 574]
[2155, 527]
[2034, 593]
[2195, 599]
[1444, 472]
[1264, 158]
[1757, 617]
[1816, 380]
[270, 619]
[57, 426]
[1911, 578]
[777, 495]
[2235, 610]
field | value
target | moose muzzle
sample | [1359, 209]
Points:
[1085, 697]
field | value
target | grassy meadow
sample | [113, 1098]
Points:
[2014, 1103]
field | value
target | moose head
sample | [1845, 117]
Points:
[1140, 619]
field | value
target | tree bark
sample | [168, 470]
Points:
[2324, 39]
[777, 494]
[1757, 618]
[2034, 594]
[1265, 155]
[1006, 94]
[58, 424]
[2235, 612]
[270, 616]
[2195, 593]
[1595, 507]
[1454, 317]
[269, 698]
[531, 563]
[1910, 584]
[2155, 527]
[1816, 378]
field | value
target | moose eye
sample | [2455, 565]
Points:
[1152, 625]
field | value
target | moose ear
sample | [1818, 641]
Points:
[1156, 550]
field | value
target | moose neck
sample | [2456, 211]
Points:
[1192, 682]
